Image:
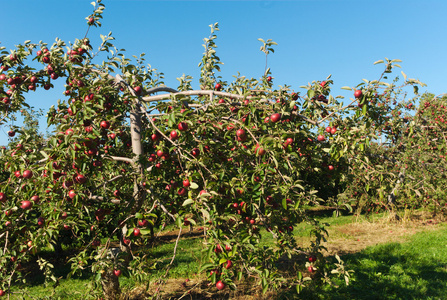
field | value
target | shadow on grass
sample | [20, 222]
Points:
[390, 271]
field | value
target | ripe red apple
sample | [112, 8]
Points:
[186, 183]
[240, 132]
[358, 94]
[105, 124]
[174, 135]
[331, 167]
[218, 248]
[310, 269]
[27, 174]
[2, 197]
[228, 247]
[138, 90]
[11, 133]
[275, 117]
[195, 152]
[71, 194]
[81, 178]
[228, 265]
[320, 138]
[40, 221]
[261, 151]
[35, 199]
[117, 273]
[69, 131]
[26, 204]
[269, 78]
[136, 231]
[143, 223]
[312, 258]
[181, 191]
[182, 126]
[155, 137]
[333, 130]
[323, 83]
[328, 129]
[218, 87]
[220, 285]
[2, 293]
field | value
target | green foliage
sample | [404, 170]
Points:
[233, 158]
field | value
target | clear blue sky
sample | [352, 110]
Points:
[315, 37]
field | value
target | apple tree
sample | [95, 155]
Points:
[242, 159]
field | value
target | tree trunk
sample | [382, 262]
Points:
[110, 286]
[392, 195]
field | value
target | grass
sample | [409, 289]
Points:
[413, 269]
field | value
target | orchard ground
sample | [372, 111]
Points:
[354, 238]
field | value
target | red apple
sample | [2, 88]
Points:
[328, 129]
[155, 137]
[195, 152]
[218, 87]
[117, 273]
[27, 174]
[333, 130]
[138, 90]
[269, 78]
[228, 265]
[312, 258]
[275, 117]
[81, 178]
[143, 223]
[181, 191]
[2, 197]
[105, 124]
[26, 204]
[136, 232]
[320, 138]
[182, 126]
[186, 183]
[69, 131]
[11, 133]
[71, 194]
[331, 167]
[240, 133]
[218, 248]
[358, 94]
[220, 285]
[174, 135]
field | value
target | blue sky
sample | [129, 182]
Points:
[315, 38]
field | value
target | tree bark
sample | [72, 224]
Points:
[110, 286]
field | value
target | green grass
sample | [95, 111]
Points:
[416, 269]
